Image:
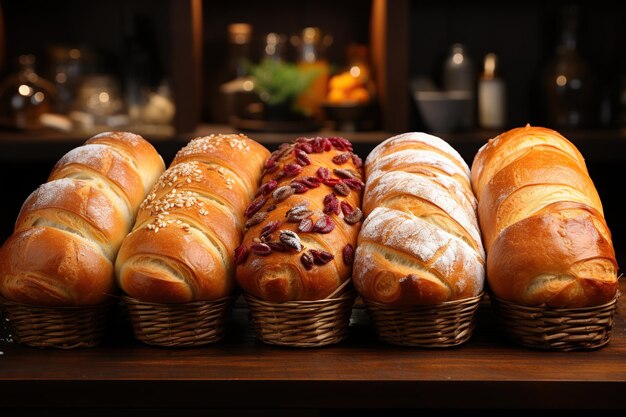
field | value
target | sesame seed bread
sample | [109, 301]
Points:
[182, 244]
[420, 243]
[69, 229]
[302, 225]
[542, 222]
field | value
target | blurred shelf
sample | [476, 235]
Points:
[46, 145]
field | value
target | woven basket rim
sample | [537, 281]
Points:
[443, 305]
[564, 310]
[133, 300]
[107, 303]
[342, 292]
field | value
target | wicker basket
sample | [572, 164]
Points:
[179, 325]
[57, 327]
[303, 323]
[435, 326]
[562, 329]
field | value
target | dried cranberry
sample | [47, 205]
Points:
[346, 208]
[348, 254]
[277, 246]
[321, 257]
[270, 162]
[331, 204]
[331, 182]
[291, 170]
[241, 254]
[298, 187]
[324, 225]
[342, 158]
[255, 206]
[323, 173]
[271, 227]
[310, 182]
[302, 158]
[266, 188]
[305, 146]
[341, 144]
[354, 183]
[261, 249]
[318, 145]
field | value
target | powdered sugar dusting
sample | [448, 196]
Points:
[133, 139]
[422, 187]
[408, 157]
[417, 137]
[84, 154]
[423, 241]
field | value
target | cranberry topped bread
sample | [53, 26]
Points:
[420, 243]
[181, 247]
[69, 230]
[542, 221]
[303, 224]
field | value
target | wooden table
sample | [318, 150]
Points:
[487, 373]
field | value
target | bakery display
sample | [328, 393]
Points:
[542, 221]
[419, 263]
[551, 265]
[69, 230]
[302, 226]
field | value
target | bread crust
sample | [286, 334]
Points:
[542, 222]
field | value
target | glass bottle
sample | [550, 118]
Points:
[491, 95]
[312, 45]
[459, 75]
[25, 96]
[236, 85]
[567, 81]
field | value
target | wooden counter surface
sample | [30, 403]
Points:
[488, 372]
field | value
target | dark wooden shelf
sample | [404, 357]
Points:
[487, 373]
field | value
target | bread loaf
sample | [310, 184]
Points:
[303, 223]
[420, 243]
[542, 222]
[181, 246]
[69, 230]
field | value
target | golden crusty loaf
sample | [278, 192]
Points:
[181, 247]
[420, 243]
[303, 223]
[542, 222]
[69, 230]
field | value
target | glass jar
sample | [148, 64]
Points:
[25, 96]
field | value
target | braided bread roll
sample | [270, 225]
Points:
[420, 243]
[69, 230]
[303, 224]
[181, 247]
[542, 221]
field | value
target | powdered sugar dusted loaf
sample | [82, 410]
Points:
[420, 243]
